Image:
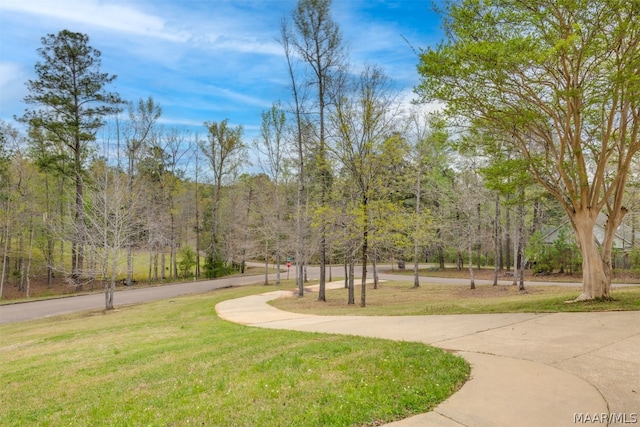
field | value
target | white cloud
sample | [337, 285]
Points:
[249, 45]
[241, 98]
[12, 78]
[409, 102]
[106, 15]
[9, 73]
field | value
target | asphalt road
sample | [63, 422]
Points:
[11, 313]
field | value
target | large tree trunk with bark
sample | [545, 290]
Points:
[596, 262]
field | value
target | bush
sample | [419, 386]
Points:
[187, 261]
[214, 268]
[562, 255]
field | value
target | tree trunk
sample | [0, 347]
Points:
[346, 273]
[300, 278]
[6, 236]
[266, 263]
[352, 297]
[111, 287]
[375, 273]
[479, 243]
[365, 254]
[50, 250]
[79, 223]
[323, 262]
[173, 255]
[29, 258]
[20, 265]
[471, 276]
[155, 264]
[521, 242]
[363, 289]
[596, 266]
[163, 263]
[278, 261]
[50, 243]
[440, 250]
[516, 245]
[416, 243]
[150, 264]
[416, 270]
[496, 240]
[507, 239]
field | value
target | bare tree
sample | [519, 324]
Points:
[176, 144]
[142, 118]
[271, 146]
[298, 132]
[319, 43]
[108, 216]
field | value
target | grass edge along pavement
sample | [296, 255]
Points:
[560, 363]
[176, 362]
[399, 298]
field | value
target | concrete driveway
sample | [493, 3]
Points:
[559, 369]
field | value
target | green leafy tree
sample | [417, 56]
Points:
[226, 152]
[560, 81]
[363, 120]
[71, 103]
[539, 254]
[187, 260]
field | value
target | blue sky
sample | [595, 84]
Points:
[205, 60]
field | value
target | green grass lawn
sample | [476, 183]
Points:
[487, 273]
[401, 299]
[174, 362]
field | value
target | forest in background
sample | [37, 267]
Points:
[342, 172]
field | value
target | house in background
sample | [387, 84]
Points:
[623, 243]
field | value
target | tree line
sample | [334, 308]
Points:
[533, 134]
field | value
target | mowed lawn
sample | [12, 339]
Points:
[400, 298]
[175, 363]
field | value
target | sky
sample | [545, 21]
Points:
[206, 60]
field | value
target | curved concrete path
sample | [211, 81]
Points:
[560, 369]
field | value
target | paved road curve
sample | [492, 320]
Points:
[33, 310]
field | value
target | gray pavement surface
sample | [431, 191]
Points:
[10, 313]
